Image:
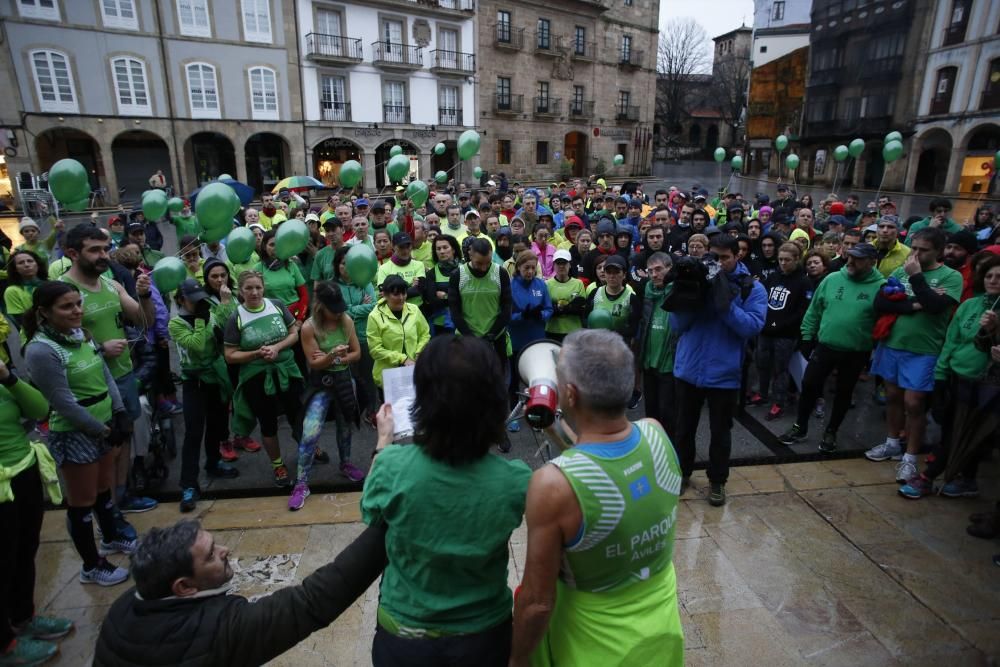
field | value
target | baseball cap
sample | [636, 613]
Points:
[135, 227]
[837, 220]
[699, 197]
[472, 214]
[379, 205]
[616, 261]
[889, 220]
[333, 301]
[362, 202]
[605, 226]
[312, 217]
[332, 222]
[464, 195]
[863, 251]
[192, 290]
[401, 238]
[562, 255]
[711, 231]
[492, 184]
[782, 187]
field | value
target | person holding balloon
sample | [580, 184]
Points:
[355, 271]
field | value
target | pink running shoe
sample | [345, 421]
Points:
[298, 497]
[246, 443]
[351, 471]
[227, 451]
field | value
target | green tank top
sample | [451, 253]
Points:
[258, 328]
[620, 308]
[628, 494]
[480, 298]
[85, 375]
[104, 320]
[327, 340]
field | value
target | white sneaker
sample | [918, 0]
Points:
[905, 470]
[105, 574]
[884, 452]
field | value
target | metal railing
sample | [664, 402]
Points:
[507, 36]
[581, 108]
[391, 53]
[337, 111]
[449, 116]
[392, 113]
[508, 103]
[626, 112]
[454, 61]
[630, 58]
[319, 45]
[583, 50]
[547, 106]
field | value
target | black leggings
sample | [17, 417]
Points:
[824, 360]
[21, 522]
[660, 399]
[267, 408]
[205, 414]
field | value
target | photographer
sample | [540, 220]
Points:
[726, 313]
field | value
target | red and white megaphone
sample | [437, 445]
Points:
[537, 367]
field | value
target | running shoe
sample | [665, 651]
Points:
[125, 529]
[828, 444]
[25, 651]
[228, 451]
[137, 504]
[717, 495]
[351, 471]
[514, 427]
[916, 488]
[820, 410]
[118, 546]
[634, 401]
[45, 627]
[281, 476]
[105, 574]
[795, 434]
[223, 470]
[905, 471]
[961, 488]
[246, 443]
[189, 499]
[755, 399]
[298, 497]
[320, 456]
[774, 413]
[884, 452]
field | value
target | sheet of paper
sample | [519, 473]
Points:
[400, 394]
[797, 368]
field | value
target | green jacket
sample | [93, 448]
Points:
[842, 311]
[200, 355]
[949, 227]
[392, 340]
[960, 354]
[358, 310]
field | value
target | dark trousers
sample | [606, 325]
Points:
[21, 523]
[659, 396]
[206, 418]
[368, 397]
[490, 648]
[163, 384]
[971, 403]
[773, 355]
[721, 409]
[825, 360]
[267, 408]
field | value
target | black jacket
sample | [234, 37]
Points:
[227, 629]
[787, 300]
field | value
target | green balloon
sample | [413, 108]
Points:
[215, 207]
[996, 160]
[618, 160]
[719, 154]
[478, 172]
[417, 192]
[361, 264]
[155, 205]
[240, 244]
[840, 153]
[856, 148]
[215, 232]
[168, 274]
[439, 148]
[395, 150]
[67, 179]
[781, 142]
[397, 168]
[600, 319]
[225, 177]
[441, 177]
[147, 193]
[468, 144]
[175, 204]
[892, 151]
[350, 173]
[77, 206]
[736, 163]
[895, 135]
[291, 238]
[792, 161]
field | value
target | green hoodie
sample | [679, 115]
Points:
[842, 311]
[949, 227]
[960, 354]
[358, 310]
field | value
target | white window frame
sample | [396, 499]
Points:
[204, 111]
[254, 33]
[116, 20]
[132, 108]
[263, 113]
[193, 29]
[35, 11]
[56, 106]
[336, 115]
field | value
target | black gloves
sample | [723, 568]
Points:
[121, 428]
[203, 310]
[806, 347]
[722, 292]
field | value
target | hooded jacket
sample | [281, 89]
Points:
[392, 340]
[842, 311]
[711, 344]
[787, 300]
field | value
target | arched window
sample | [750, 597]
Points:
[203, 91]
[131, 88]
[263, 93]
[54, 82]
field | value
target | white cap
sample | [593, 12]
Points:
[562, 254]
[492, 184]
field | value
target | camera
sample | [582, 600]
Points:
[690, 278]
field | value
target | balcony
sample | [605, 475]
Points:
[393, 113]
[581, 109]
[547, 44]
[881, 69]
[583, 50]
[333, 48]
[337, 111]
[511, 104]
[396, 56]
[547, 106]
[627, 113]
[453, 63]
[630, 59]
[457, 5]
[449, 117]
[507, 37]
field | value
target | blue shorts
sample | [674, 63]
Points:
[129, 390]
[907, 370]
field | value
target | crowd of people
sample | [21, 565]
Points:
[668, 300]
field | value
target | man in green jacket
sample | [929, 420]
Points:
[656, 346]
[836, 335]
[939, 208]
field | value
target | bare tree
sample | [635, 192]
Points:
[730, 83]
[681, 53]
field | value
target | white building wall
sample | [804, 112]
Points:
[776, 46]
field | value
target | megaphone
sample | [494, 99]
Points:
[537, 367]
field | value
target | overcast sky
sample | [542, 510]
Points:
[716, 16]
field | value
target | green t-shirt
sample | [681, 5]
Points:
[322, 266]
[424, 254]
[923, 332]
[17, 298]
[282, 284]
[104, 319]
[561, 294]
[411, 272]
[447, 539]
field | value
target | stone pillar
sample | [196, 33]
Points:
[426, 175]
[240, 154]
[912, 162]
[368, 162]
[954, 177]
[110, 178]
